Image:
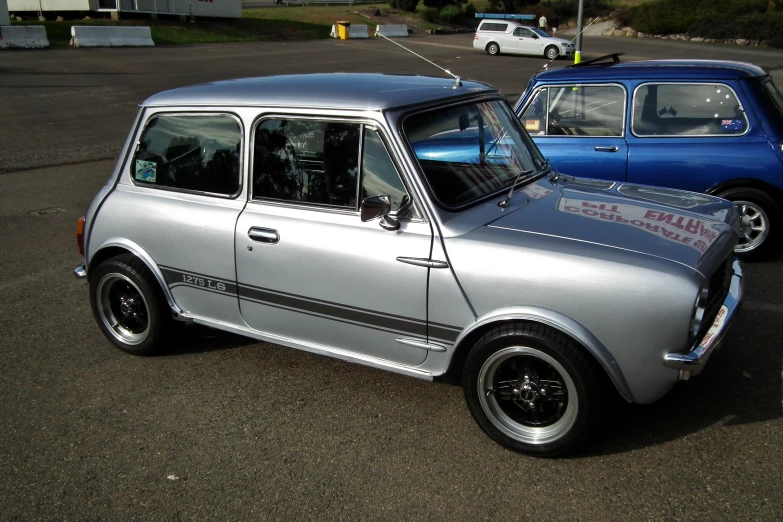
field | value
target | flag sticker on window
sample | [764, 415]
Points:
[732, 125]
[533, 125]
[146, 171]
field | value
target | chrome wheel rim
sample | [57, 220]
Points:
[493, 49]
[123, 309]
[527, 395]
[754, 226]
[552, 53]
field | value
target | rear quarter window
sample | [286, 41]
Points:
[687, 109]
[493, 26]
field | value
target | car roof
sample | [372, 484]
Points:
[656, 70]
[330, 90]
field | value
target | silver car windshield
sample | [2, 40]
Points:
[472, 151]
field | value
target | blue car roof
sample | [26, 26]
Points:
[330, 90]
[656, 70]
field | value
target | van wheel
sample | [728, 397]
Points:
[493, 49]
[757, 211]
[128, 304]
[552, 52]
[534, 390]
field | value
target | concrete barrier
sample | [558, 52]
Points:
[23, 37]
[358, 31]
[391, 31]
[110, 36]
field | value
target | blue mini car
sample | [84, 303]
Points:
[705, 126]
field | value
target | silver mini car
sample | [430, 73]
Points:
[410, 224]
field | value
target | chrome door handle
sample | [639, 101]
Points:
[263, 235]
[607, 149]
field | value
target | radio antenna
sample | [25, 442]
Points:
[572, 41]
[457, 79]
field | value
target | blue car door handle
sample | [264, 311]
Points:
[263, 235]
[607, 149]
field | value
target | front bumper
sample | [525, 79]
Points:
[693, 362]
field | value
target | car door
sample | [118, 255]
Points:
[308, 268]
[695, 136]
[580, 128]
[526, 41]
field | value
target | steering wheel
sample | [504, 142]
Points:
[557, 127]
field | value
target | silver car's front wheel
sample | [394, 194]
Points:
[533, 390]
[525, 394]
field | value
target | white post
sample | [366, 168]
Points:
[4, 18]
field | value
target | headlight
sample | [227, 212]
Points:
[698, 309]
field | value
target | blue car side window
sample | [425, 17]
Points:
[688, 110]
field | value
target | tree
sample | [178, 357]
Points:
[512, 6]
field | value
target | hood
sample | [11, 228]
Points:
[693, 229]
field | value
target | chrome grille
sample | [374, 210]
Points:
[718, 290]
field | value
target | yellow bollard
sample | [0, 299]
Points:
[577, 57]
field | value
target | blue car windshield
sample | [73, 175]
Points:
[469, 152]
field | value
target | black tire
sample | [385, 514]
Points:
[551, 52]
[129, 305]
[532, 364]
[493, 49]
[759, 211]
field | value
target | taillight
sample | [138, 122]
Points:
[475, 36]
[80, 235]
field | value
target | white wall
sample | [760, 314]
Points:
[4, 20]
[48, 5]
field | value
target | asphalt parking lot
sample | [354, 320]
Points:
[223, 427]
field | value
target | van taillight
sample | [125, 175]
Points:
[475, 36]
[80, 235]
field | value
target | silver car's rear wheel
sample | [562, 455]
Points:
[493, 49]
[128, 304]
[123, 309]
[524, 392]
[755, 226]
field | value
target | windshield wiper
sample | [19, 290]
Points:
[544, 166]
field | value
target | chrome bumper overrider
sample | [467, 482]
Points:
[80, 272]
[692, 363]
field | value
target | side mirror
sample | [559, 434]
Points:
[378, 207]
[535, 36]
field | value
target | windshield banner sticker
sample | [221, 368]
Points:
[146, 171]
[668, 225]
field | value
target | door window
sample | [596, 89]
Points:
[576, 110]
[323, 163]
[524, 33]
[687, 110]
[190, 152]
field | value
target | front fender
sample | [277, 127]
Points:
[559, 322]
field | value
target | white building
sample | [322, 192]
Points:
[197, 8]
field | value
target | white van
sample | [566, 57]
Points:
[505, 36]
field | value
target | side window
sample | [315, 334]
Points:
[524, 33]
[190, 152]
[687, 110]
[379, 176]
[306, 161]
[577, 110]
[490, 26]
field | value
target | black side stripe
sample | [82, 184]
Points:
[387, 322]
[315, 307]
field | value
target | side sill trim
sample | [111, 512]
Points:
[319, 349]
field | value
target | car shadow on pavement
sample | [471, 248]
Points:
[740, 385]
[196, 338]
